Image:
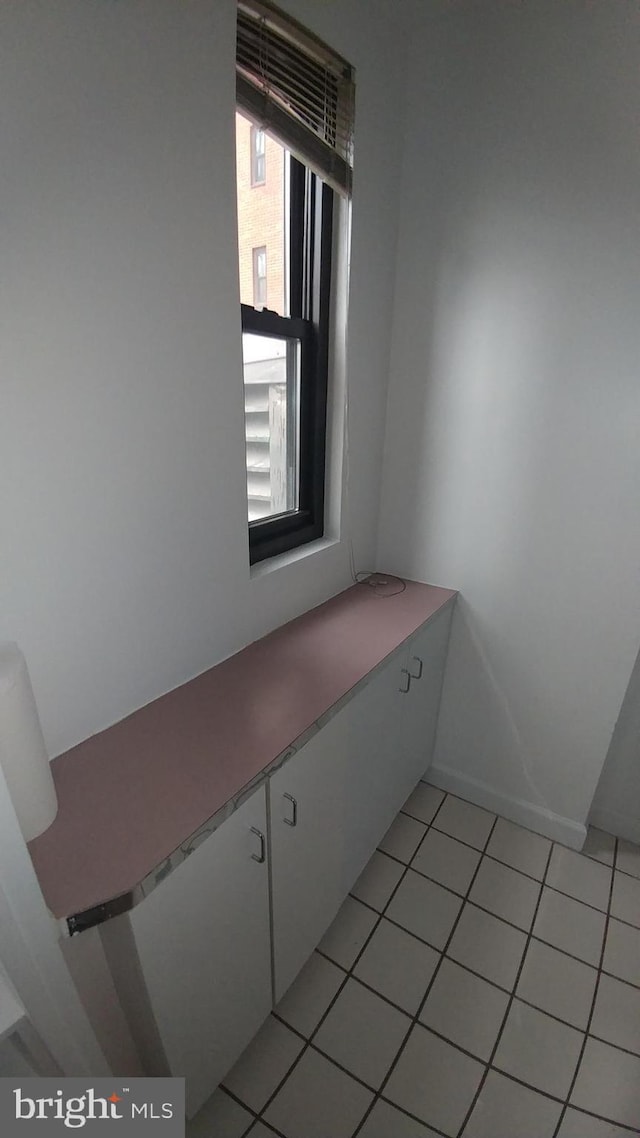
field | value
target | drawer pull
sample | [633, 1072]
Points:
[417, 675]
[262, 855]
[293, 820]
[407, 673]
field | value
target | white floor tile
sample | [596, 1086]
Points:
[558, 984]
[506, 893]
[571, 926]
[446, 861]
[599, 845]
[424, 908]
[398, 966]
[625, 902]
[257, 1131]
[462, 820]
[362, 1033]
[387, 1122]
[608, 1084]
[465, 1009]
[318, 1100]
[628, 858]
[622, 952]
[308, 998]
[488, 946]
[424, 802]
[519, 848]
[434, 1081]
[403, 838]
[578, 1125]
[581, 877]
[378, 881]
[219, 1115]
[616, 1016]
[264, 1064]
[344, 939]
[539, 1050]
[508, 1110]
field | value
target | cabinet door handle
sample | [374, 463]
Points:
[293, 820]
[262, 855]
[407, 673]
[417, 675]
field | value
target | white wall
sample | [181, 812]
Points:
[123, 514]
[512, 465]
[616, 806]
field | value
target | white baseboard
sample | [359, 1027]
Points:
[537, 818]
[622, 825]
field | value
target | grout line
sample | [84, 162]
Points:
[231, 1095]
[626, 873]
[559, 1101]
[551, 1015]
[294, 1030]
[565, 952]
[616, 1046]
[587, 905]
[612, 976]
[621, 921]
[595, 996]
[416, 1019]
[345, 1070]
[631, 1130]
[401, 1110]
[562, 1102]
[527, 931]
[483, 1080]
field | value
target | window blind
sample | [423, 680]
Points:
[292, 84]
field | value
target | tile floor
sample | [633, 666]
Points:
[480, 982]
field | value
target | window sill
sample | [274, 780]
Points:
[281, 560]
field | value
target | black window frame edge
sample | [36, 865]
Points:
[310, 302]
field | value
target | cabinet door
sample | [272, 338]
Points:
[307, 805]
[375, 789]
[203, 941]
[425, 661]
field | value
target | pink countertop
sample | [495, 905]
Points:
[129, 796]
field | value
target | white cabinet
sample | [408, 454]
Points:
[375, 766]
[333, 800]
[207, 952]
[392, 724]
[203, 942]
[425, 660]
[307, 837]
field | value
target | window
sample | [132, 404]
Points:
[259, 277]
[286, 346]
[258, 157]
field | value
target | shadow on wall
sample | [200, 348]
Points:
[499, 752]
[616, 803]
